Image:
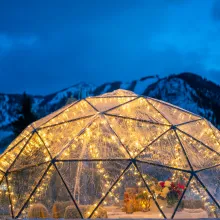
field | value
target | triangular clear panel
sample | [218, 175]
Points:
[5, 207]
[22, 183]
[26, 132]
[172, 113]
[57, 137]
[89, 181]
[167, 151]
[167, 185]
[202, 132]
[196, 203]
[105, 103]
[50, 199]
[211, 180]
[135, 135]
[199, 155]
[97, 142]
[139, 109]
[8, 158]
[130, 198]
[76, 111]
[216, 131]
[33, 153]
[1, 176]
[47, 118]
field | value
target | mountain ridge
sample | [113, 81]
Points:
[186, 90]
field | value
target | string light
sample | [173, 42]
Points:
[68, 136]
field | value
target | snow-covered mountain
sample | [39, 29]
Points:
[186, 90]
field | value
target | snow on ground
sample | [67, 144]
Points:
[5, 107]
[179, 93]
[142, 85]
[107, 87]
[36, 102]
[81, 87]
[116, 213]
[125, 85]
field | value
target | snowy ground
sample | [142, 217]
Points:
[116, 213]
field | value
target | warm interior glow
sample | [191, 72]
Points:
[118, 152]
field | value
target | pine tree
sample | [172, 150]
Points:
[26, 116]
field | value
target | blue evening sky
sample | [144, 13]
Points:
[47, 45]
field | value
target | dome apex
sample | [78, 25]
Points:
[119, 92]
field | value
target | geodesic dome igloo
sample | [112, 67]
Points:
[118, 155]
